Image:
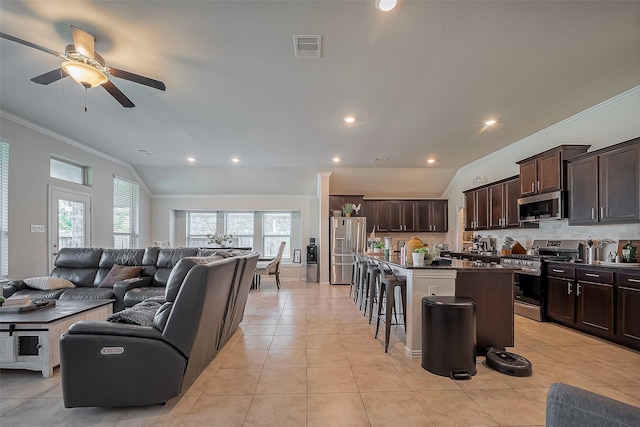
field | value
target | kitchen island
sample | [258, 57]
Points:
[490, 285]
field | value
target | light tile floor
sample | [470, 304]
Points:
[305, 355]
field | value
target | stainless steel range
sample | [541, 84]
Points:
[529, 292]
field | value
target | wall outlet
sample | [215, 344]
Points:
[433, 291]
[37, 228]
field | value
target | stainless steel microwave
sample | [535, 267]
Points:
[542, 207]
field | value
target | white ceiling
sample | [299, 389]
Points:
[421, 79]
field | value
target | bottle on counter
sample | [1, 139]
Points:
[629, 252]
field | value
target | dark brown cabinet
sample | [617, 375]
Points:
[476, 209]
[628, 309]
[604, 186]
[595, 304]
[406, 215]
[503, 203]
[560, 294]
[600, 301]
[545, 172]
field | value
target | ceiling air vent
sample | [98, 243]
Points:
[306, 46]
[145, 152]
[380, 159]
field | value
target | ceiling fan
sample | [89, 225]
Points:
[85, 66]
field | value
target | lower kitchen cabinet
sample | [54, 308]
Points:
[628, 309]
[595, 300]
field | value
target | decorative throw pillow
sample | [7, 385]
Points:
[48, 283]
[118, 273]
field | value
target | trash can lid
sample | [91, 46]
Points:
[453, 301]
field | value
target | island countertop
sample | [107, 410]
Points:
[456, 264]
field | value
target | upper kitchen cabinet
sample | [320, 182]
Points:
[604, 186]
[406, 215]
[545, 172]
[503, 203]
[476, 208]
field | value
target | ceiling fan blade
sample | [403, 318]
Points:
[50, 77]
[33, 45]
[118, 95]
[157, 84]
[83, 41]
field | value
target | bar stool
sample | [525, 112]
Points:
[388, 285]
[363, 266]
[355, 274]
[369, 292]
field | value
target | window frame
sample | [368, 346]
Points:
[4, 210]
[238, 236]
[203, 237]
[287, 249]
[85, 171]
[134, 214]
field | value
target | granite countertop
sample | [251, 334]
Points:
[456, 264]
[617, 267]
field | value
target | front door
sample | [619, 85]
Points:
[69, 221]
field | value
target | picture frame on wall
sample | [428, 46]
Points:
[297, 256]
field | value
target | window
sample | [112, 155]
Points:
[69, 171]
[240, 226]
[276, 228]
[125, 214]
[4, 210]
[199, 224]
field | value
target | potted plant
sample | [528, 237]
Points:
[348, 209]
[378, 247]
[421, 256]
[220, 240]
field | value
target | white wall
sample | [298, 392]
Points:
[29, 154]
[603, 125]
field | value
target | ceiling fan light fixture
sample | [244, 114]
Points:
[386, 5]
[85, 74]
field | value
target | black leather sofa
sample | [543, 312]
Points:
[86, 268]
[107, 364]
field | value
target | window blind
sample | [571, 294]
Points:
[125, 214]
[4, 210]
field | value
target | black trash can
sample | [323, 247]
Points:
[449, 336]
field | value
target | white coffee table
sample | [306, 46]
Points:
[31, 340]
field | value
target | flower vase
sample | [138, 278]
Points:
[418, 258]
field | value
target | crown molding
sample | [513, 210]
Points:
[40, 129]
[233, 196]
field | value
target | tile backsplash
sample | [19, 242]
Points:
[561, 230]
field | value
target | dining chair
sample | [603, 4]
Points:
[270, 268]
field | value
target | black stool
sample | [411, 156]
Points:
[449, 336]
[388, 285]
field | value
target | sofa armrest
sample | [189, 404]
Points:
[13, 287]
[569, 406]
[96, 327]
[124, 286]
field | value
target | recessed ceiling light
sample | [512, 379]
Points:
[431, 161]
[235, 159]
[349, 119]
[386, 5]
[336, 160]
[191, 159]
[490, 122]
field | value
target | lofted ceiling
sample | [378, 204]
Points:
[420, 80]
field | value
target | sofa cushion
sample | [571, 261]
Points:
[178, 273]
[48, 283]
[79, 257]
[87, 294]
[118, 273]
[137, 295]
[37, 294]
[140, 314]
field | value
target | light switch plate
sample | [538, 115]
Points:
[433, 291]
[37, 228]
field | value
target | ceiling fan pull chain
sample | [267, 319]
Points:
[85, 99]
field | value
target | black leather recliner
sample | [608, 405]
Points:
[112, 364]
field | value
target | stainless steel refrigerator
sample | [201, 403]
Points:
[346, 236]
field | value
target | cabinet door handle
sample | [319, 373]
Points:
[533, 187]
[601, 211]
[558, 271]
[593, 213]
[538, 185]
[578, 290]
[591, 275]
[569, 288]
[634, 280]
